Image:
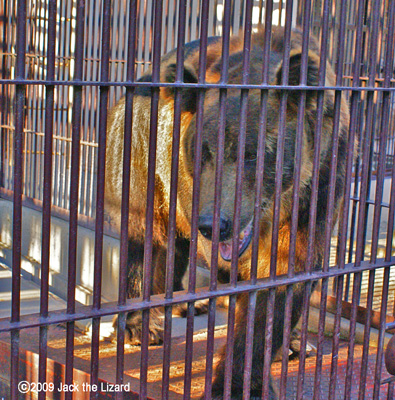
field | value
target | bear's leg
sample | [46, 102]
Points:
[181, 264]
[181, 261]
[258, 346]
[135, 289]
[158, 273]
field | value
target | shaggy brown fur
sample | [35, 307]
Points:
[138, 183]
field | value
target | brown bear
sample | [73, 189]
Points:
[138, 183]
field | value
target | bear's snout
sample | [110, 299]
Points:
[206, 227]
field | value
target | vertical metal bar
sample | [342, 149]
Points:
[123, 262]
[354, 117]
[363, 195]
[258, 196]
[236, 226]
[307, 290]
[241, 144]
[170, 256]
[390, 393]
[3, 91]
[278, 190]
[377, 210]
[236, 220]
[261, 143]
[18, 182]
[280, 145]
[295, 205]
[195, 195]
[46, 219]
[148, 243]
[331, 192]
[217, 198]
[74, 189]
[340, 280]
[276, 206]
[257, 209]
[97, 281]
[389, 62]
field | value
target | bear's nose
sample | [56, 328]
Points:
[206, 227]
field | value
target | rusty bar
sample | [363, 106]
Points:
[377, 209]
[74, 191]
[307, 290]
[280, 144]
[367, 139]
[104, 75]
[261, 143]
[389, 60]
[276, 206]
[47, 191]
[365, 354]
[332, 187]
[195, 196]
[336, 337]
[257, 210]
[390, 393]
[219, 85]
[124, 235]
[257, 204]
[121, 326]
[127, 154]
[18, 160]
[236, 229]
[295, 207]
[362, 208]
[18, 188]
[3, 88]
[340, 281]
[170, 255]
[84, 312]
[61, 213]
[98, 258]
[268, 343]
[217, 198]
[278, 186]
[350, 150]
[230, 336]
[175, 153]
[148, 242]
[303, 340]
[241, 143]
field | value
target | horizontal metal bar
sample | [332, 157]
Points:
[194, 85]
[72, 58]
[388, 380]
[332, 307]
[56, 137]
[84, 312]
[390, 326]
[371, 202]
[59, 212]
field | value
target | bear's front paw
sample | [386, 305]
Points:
[134, 329]
[133, 332]
[201, 307]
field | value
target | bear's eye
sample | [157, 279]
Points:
[249, 157]
[206, 154]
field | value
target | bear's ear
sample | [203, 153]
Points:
[295, 64]
[188, 95]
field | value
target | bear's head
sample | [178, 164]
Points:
[232, 126]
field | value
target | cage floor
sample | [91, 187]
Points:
[82, 354]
